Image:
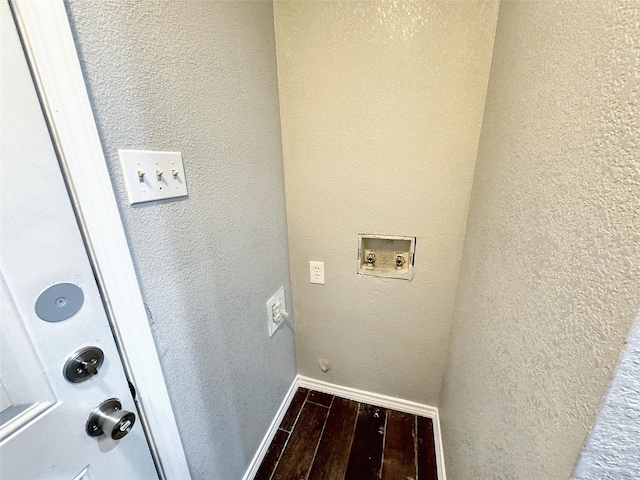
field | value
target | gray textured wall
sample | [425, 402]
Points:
[550, 278]
[200, 78]
[381, 108]
[612, 452]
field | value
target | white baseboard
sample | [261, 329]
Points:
[369, 397]
[273, 428]
[357, 395]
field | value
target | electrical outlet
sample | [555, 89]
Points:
[276, 311]
[316, 272]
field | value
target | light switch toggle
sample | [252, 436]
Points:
[152, 175]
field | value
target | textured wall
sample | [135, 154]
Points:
[200, 78]
[550, 278]
[381, 105]
[612, 450]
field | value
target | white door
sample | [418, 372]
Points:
[44, 416]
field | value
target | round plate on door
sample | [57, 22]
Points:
[59, 302]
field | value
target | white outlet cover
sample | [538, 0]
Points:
[277, 297]
[153, 176]
[316, 272]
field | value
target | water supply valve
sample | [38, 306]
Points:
[371, 258]
[390, 256]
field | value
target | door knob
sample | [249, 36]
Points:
[109, 419]
[83, 364]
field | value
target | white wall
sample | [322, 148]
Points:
[612, 450]
[381, 105]
[550, 277]
[200, 78]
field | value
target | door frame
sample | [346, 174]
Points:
[46, 35]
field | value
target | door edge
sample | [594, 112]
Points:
[52, 55]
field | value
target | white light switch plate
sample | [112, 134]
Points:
[152, 176]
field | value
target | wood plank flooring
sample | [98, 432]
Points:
[323, 437]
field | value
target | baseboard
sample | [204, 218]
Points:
[369, 397]
[273, 428]
[356, 395]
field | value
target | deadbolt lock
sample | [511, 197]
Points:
[109, 419]
[83, 364]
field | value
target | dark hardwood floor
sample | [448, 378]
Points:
[323, 437]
